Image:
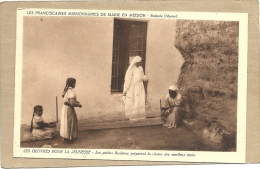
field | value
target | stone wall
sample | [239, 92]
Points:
[210, 72]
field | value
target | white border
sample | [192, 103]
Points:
[220, 157]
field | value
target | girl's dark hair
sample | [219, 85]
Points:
[35, 109]
[69, 83]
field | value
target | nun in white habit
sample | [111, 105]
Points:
[134, 92]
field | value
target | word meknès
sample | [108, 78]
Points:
[156, 15]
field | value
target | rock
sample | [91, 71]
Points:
[215, 137]
[214, 132]
[209, 76]
[26, 137]
[46, 146]
[206, 133]
[185, 121]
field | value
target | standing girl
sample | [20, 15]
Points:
[69, 121]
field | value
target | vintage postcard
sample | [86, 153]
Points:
[131, 85]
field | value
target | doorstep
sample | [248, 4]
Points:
[86, 124]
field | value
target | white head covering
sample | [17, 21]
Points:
[174, 88]
[136, 59]
[128, 74]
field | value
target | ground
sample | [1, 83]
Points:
[188, 136]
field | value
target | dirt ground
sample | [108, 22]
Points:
[153, 137]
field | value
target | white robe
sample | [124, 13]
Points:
[69, 121]
[135, 94]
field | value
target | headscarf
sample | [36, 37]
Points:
[69, 83]
[174, 88]
[35, 110]
[128, 72]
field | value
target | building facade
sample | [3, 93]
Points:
[95, 51]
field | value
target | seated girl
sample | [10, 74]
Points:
[173, 110]
[39, 128]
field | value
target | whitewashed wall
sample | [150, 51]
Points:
[56, 48]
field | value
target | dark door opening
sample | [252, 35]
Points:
[129, 40]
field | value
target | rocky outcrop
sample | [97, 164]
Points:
[209, 75]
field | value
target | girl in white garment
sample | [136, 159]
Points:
[173, 110]
[69, 121]
[39, 128]
[134, 92]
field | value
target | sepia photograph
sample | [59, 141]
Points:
[129, 85]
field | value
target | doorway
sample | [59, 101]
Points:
[129, 40]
